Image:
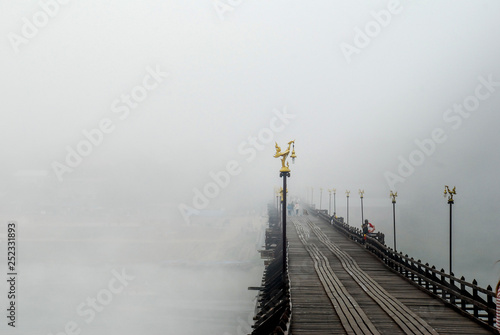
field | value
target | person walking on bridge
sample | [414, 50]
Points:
[364, 227]
[371, 227]
[368, 228]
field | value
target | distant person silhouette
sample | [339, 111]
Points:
[368, 228]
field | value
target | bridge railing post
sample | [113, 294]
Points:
[463, 293]
[475, 297]
[427, 276]
[412, 267]
[490, 304]
[406, 266]
[419, 270]
[400, 262]
[434, 278]
[392, 258]
[452, 288]
[443, 283]
[389, 258]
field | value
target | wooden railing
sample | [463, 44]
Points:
[274, 306]
[468, 298]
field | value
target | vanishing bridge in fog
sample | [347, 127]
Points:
[335, 285]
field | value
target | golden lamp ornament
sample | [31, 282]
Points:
[284, 155]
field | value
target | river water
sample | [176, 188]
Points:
[130, 279]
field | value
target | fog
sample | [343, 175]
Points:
[138, 137]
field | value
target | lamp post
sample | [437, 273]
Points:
[277, 191]
[451, 202]
[281, 196]
[329, 202]
[320, 196]
[347, 194]
[281, 202]
[361, 192]
[312, 196]
[285, 172]
[334, 204]
[393, 196]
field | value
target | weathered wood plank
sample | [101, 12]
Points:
[312, 311]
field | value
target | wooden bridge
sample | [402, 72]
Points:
[336, 285]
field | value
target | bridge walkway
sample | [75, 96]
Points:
[338, 287]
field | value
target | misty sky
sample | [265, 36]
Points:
[172, 93]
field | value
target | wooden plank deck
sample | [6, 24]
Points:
[391, 304]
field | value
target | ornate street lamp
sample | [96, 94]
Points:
[361, 192]
[451, 202]
[285, 172]
[393, 196]
[320, 196]
[329, 202]
[334, 204]
[347, 194]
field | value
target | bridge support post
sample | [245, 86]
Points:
[452, 288]
[490, 304]
[462, 291]
[475, 297]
